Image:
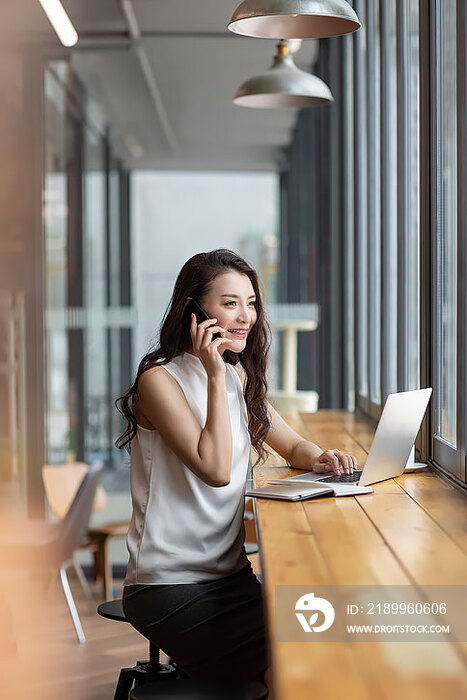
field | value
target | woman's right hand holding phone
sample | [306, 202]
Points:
[207, 349]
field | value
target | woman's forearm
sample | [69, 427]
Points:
[215, 444]
[307, 455]
[304, 455]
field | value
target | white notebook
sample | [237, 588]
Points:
[291, 492]
[338, 489]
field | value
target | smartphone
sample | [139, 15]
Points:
[201, 315]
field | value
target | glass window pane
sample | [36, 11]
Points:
[389, 183]
[411, 194]
[361, 160]
[374, 198]
[55, 222]
[446, 221]
[114, 263]
[349, 217]
[95, 297]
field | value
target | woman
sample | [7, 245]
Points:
[193, 414]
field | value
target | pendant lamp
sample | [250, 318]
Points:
[283, 85]
[300, 19]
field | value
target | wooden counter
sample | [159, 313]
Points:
[412, 530]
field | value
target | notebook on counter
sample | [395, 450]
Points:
[291, 492]
[338, 489]
[288, 490]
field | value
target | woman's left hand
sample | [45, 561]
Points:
[335, 461]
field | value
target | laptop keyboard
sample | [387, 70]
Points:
[344, 478]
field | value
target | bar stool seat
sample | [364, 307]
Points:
[191, 689]
[112, 610]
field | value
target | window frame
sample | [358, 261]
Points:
[462, 229]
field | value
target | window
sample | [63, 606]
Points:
[446, 223]
[374, 199]
[368, 209]
[445, 233]
[361, 210]
[389, 195]
[55, 218]
[348, 221]
[96, 428]
[84, 298]
[404, 223]
[409, 195]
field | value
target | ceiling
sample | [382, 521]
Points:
[194, 65]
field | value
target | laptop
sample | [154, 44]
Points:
[391, 447]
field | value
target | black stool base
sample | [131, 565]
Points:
[190, 689]
[141, 674]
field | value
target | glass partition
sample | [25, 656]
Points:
[95, 300]
[55, 221]
[83, 237]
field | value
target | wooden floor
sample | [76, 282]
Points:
[40, 657]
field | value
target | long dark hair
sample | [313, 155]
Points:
[193, 281]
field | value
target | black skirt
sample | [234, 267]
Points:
[214, 629]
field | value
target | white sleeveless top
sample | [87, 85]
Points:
[182, 530]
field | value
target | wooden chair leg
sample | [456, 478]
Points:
[100, 568]
[97, 569]
[105, 567]
[108, 570]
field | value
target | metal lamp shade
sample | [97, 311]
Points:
[283, 85]
[294, 19]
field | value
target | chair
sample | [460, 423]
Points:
[100, 538]
[61, 482]
[144, 673]
[51, 545]
[251, 545]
